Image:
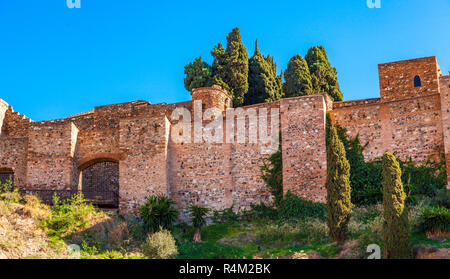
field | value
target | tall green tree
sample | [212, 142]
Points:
[198, 74]
[219, 66]
[395, 228]
[230, 67]
[297, 78]
[323, 75]
[338, 187]
[264, 84]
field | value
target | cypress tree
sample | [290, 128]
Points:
[198, 74]
[219, 66]
[230, 67]
[264, 85]
[395, 228]
[323, 75]
[338, 187]
[297, 78]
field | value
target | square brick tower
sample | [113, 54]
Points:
[409, 79]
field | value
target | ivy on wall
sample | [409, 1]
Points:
[365, 177]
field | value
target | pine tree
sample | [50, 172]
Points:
[338, 187]
[263, 81]
[198, 74]
[230, 67]
[323, 76]
[395, 228]
[297, 78]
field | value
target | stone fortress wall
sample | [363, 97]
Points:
[131, 145]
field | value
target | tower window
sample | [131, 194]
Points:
[417, 81]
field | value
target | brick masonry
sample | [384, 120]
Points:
[139, 137]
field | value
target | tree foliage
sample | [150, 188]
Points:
[338, 187]
[297, 78]
[323, 75]
[419, 180]
[230, 67]
[264, 84]
[395, 228]
[198, 74]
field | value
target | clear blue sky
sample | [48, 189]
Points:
[55, 61]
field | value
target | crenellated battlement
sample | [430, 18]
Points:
[131, 147]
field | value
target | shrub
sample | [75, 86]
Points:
[273, 176]
[260, 212]
[158, 212]
[371, 236]
[304, 232]
[442, 199]
[225, 216]
[295, 207]
[11, 196]
[395, 229]
[339, 204]
[435, 221]
[423, 180]
[366, 214]
[160, 245]
[69, 216]
[198, 220]
[365, 177]
[7, 186]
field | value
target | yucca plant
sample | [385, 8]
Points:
[158, 212]
[198, 220]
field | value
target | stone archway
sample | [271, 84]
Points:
[100, 182]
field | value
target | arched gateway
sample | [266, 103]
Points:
[100, 182]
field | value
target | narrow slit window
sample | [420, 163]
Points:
[417, 81]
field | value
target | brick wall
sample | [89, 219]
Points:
[412, 121]
[304, 150]
[445, 109]
[50, 156]
[405, 120]
[411, 127]
[143, 172]
[397, 78]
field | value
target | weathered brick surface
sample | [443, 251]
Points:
[140, 137]
[445, 111]
[406, 120]
[304, 150]
[143, 172]
[397, 78]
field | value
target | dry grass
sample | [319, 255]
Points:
[20, 234]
